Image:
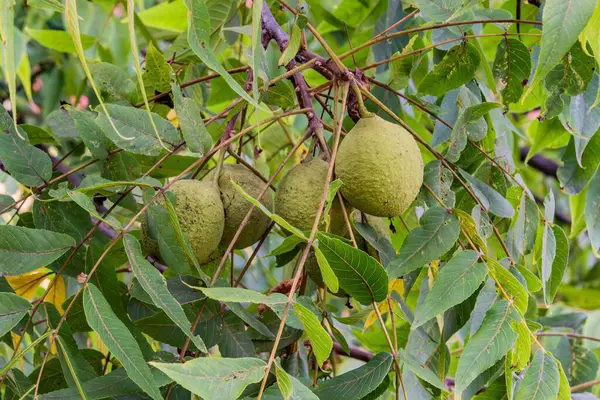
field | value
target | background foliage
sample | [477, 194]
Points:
[486, 288]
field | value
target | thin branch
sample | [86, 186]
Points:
[434, 45]
[254, 253]
[396, 24]
[431, 27]
[272, 31]
[193, 82]
[585, 385]
[569, 334]
[355, 352]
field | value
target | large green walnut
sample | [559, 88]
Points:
[299, 193]
[200, 213]
[236, 206]
[381, 167]
[337, 222]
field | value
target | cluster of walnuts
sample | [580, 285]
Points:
[378, 162]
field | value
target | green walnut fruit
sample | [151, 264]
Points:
[299, 193]
[200, 213]
[337, 222]
[236, 206]
[381, 167]
[149, 244]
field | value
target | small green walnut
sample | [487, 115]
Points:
[200, 213]
[299, 193]
[236, 206]
[381, 167]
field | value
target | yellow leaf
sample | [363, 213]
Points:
[372, 317]
[15, 339]
[57, 294]
[397, 285]
[172, 117]
[26, 285]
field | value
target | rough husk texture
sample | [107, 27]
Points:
[381, 167]
[199, 210]
[299, 193]
[149, 244]
[337, 222]
[236, 206]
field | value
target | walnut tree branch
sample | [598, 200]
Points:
[272, 31]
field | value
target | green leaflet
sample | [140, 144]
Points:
[541, 380]
[563, 21]
[215, 378]
[114, 383]
[436, 235]
[489, 344]
[491, 200]
[12, 309]
[24, 249]
[509, 284]
[356, 384]
[359, 274]
[155, 285]
[192, 126]
[136, 124]
[118, 339]
[319, 338]
[457, 68]
[456, 282]
[59, 40]
[27, 164]
[199, 41]
[512, 66]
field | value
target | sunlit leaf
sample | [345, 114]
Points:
[319, 338]
[59, 40]
[563, 22]
[212, 378]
